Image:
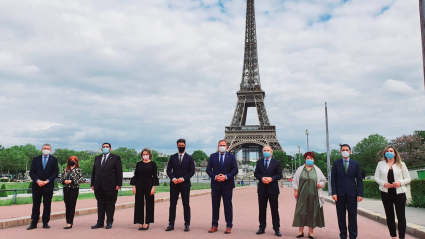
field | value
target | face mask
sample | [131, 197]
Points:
[389, 155]
[72, 163]
[345, 154]
[46, 152]
[222, 149]
[181, 149]
[309, 162]
[105, 150]
[266, 154]
[145, 157]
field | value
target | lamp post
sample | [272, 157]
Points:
[306, 133]
[299, 154]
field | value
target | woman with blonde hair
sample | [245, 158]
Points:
[392, 176]
[144, 182]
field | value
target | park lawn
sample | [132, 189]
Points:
[16, 186]
[82, 196]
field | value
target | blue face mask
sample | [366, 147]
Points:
[105, 150]
[389, 155]
[266, 154]
[309, 162]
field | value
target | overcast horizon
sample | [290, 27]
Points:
[141, 74]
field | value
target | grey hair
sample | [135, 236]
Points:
[46, 145]
[268, 146]
[147, 149]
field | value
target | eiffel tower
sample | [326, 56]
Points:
[250, 138]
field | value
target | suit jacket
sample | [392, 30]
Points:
[230, 169]
[50, 172]
[185, 170]
[350, 183]
[274, 171]
[109, 175]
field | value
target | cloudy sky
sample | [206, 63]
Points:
[145, 73]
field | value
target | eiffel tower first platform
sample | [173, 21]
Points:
[250, 138]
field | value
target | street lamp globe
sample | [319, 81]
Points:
[306, 132]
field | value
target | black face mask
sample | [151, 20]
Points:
[72, 163]
[181, 149]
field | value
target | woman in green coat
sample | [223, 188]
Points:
[307, 183]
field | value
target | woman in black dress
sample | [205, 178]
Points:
[71, 178]
[144, 181]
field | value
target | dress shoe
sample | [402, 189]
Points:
[146, 228]
[310, 237]
[108, 226]
[66, 227]
[186, 228]
[46, 226]
[97, 226]
[300, 236]
[169, 228]
[213, 229]
[278, 234]
[32, 226]
[228, 230]
[260, 231]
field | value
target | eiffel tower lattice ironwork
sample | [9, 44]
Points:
[250, 138]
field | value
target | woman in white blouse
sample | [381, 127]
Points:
[392, 176]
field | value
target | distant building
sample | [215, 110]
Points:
[92, 152]
[163, 155]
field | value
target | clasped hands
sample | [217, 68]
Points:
[266, 180]
[178, 180]
[42, 183]
[393, 185]
[220, 178]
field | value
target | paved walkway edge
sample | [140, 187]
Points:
[412, 229]
[26, 220]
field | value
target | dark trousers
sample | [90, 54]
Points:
[105, 203]
[390, 200]
[174, 197]
[274, 207]
[144, 193]
[344, 204]
[70, 196]
[39, 193]
[216, 196]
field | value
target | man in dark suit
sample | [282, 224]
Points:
[222, 169]
[180, 168]
[106, 180]
[44, 170]
[347, 190]
[268, 172]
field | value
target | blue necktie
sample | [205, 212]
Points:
[267, 162]
[221, 160]
[44, 162]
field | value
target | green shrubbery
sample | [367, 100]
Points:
[3, 194]
[417, 187]
[4, 180]
[165, 184]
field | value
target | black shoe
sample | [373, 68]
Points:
[300, 236]
[46, 226]
[186, 228]
[67, 227]
[311, 237]
[278, 234]
[260, 231]
[97, 226]
[32, 226]
[146, 228]
[108, 226]
[169, 228]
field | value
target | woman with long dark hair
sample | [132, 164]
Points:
[71, 178]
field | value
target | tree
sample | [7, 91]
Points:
[282, 157]
[129, 157]
[198, 156]
[411, 149]
[366, 152]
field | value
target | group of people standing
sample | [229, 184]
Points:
[308, 183]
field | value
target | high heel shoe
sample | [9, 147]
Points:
[310, 237]
[66, 227]
[140, 228]
[146, 228]
[300, 236]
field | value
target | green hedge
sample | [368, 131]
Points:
[3, 194]
[417, 187]
[4, 180]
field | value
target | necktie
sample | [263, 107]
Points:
[346, 161]
[44, 162]
[267, 164]
[221, 160]
[103, 160]
[180, 159]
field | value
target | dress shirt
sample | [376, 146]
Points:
[42, 162]
[182, 155]
[224, 158]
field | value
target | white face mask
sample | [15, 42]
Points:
[222, 149]
[345, 154]
[46, 151]
[145, 157]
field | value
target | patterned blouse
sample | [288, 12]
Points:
[75, 175]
